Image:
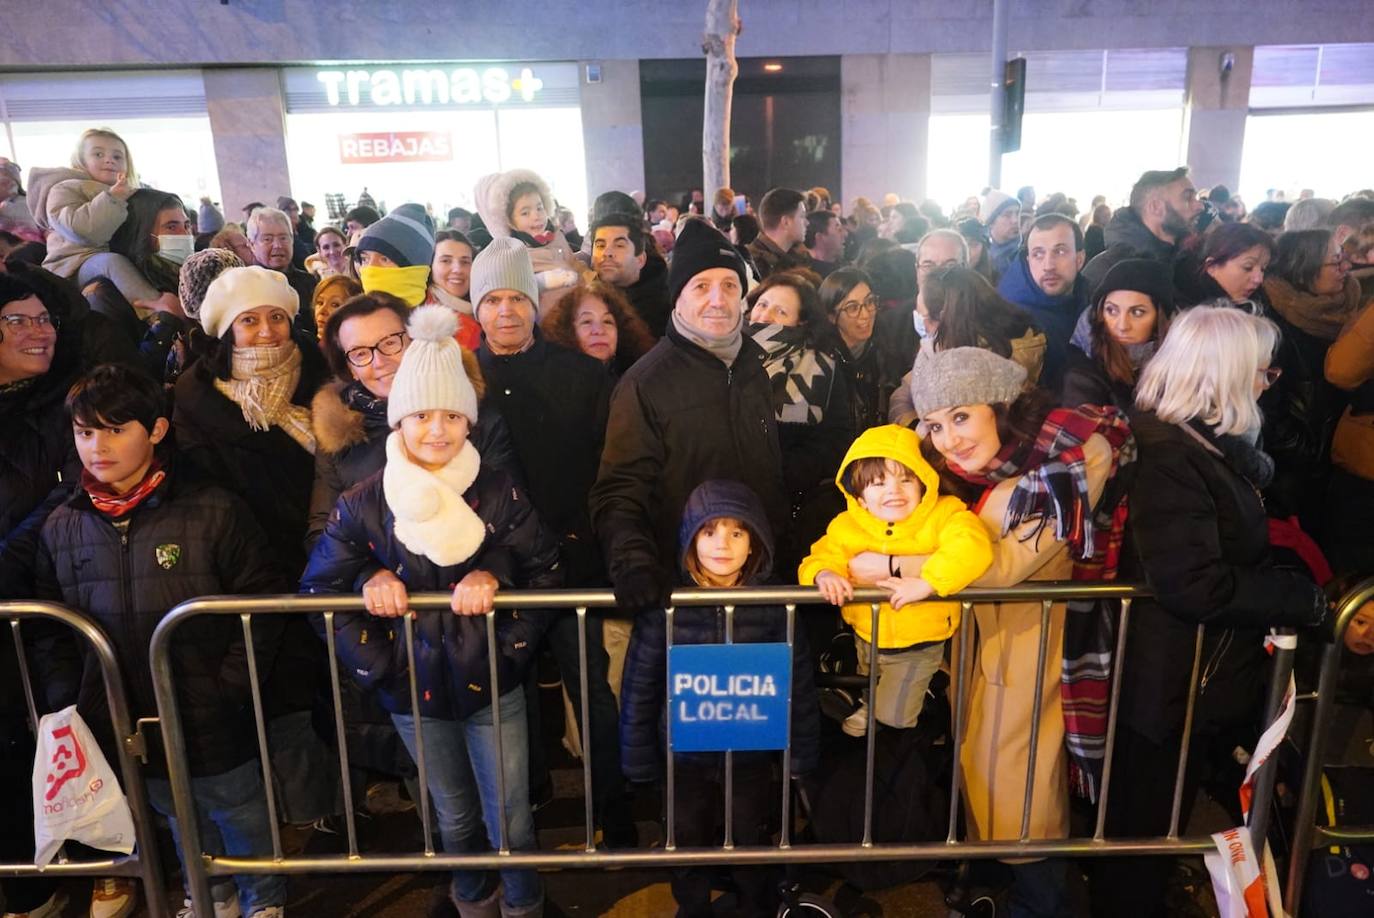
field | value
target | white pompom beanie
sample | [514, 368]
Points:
[431, 376]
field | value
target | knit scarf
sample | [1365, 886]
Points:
[1320, 316]
[456, 303]
[801, 376]
[432, 517]
[262, 381]
[724, 348]
[1053, 489]
[114, 505]
[373, 409]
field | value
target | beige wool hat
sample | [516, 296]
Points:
[238, 290]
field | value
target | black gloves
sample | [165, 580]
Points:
[642, 588]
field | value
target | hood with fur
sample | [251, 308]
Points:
[492, 194]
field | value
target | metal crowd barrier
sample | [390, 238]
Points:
[144, 863]
[1307, 835]
[200, 866]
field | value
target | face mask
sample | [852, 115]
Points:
[176, 249]
[920, 325]
[410, 284]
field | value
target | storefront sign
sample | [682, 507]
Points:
[729, 696]
[429, 86]
[395, 147]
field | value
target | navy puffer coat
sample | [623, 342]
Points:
[451, 663]
[642, 701]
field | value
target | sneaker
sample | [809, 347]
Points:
[50, 909]
[856, 724]
[114, 897]
[228, 909]
[384, 798]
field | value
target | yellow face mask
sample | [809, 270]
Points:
[409, 284]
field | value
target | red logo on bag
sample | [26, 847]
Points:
[1359, 871]
[68, 762]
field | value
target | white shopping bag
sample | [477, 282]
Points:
[75, 792]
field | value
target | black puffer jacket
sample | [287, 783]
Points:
[554, 402]
[450, 650]
[679, 417]
[1199, 536]
[350, 436]
[642, 699]
[188, 539]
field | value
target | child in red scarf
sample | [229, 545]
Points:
[133, 541]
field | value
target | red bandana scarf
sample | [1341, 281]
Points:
[113, 505]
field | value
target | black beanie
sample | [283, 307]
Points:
[699, 248]
[1143, 275]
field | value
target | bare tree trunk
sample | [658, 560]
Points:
[722, 28]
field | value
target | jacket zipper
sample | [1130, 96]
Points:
[1214, 661]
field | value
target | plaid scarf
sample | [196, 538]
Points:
[1053, 489]
[115, 505]
[262, 381]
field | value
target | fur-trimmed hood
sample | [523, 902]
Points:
[492, 194]
[338, 426]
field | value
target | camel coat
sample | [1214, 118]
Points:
[997, 739]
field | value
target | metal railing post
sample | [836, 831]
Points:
[1305, 825]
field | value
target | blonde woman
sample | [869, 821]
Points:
[1202, 543]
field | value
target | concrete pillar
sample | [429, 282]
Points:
[885, 125]
[248, 120]
[612, 129]
[1217, 102]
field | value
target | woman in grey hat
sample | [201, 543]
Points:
[1037, 477]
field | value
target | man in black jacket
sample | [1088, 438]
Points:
[697, 406]
[619, 258]
[1163, 210]
[554, 403]
[272, 236]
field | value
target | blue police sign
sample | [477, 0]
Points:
[729, 696]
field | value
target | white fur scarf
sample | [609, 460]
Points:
[432, 518]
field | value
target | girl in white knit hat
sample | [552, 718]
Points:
[435, 519]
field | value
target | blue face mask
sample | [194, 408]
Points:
[920, 325]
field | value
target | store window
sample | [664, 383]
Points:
[1094, 121]
[161, 115]
[1311, 121]
[428, 132]
[784, 125]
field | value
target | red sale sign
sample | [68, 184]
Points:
[395, 147]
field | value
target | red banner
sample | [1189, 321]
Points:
[395, 147]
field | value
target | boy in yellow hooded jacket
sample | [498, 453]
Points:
[894, 507]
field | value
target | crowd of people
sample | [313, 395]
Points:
[715, 394]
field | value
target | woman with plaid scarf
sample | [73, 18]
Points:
[1044, 482]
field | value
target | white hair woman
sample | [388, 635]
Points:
[1202, 543]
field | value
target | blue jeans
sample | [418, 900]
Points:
[231, 810]
[461, 763]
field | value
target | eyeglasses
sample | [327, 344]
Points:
[1341, 259]
[1271, 375]
[42, 321]
[853, 308]
[389, 346]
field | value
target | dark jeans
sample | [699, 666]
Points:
[608, 785]
[699, 806]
